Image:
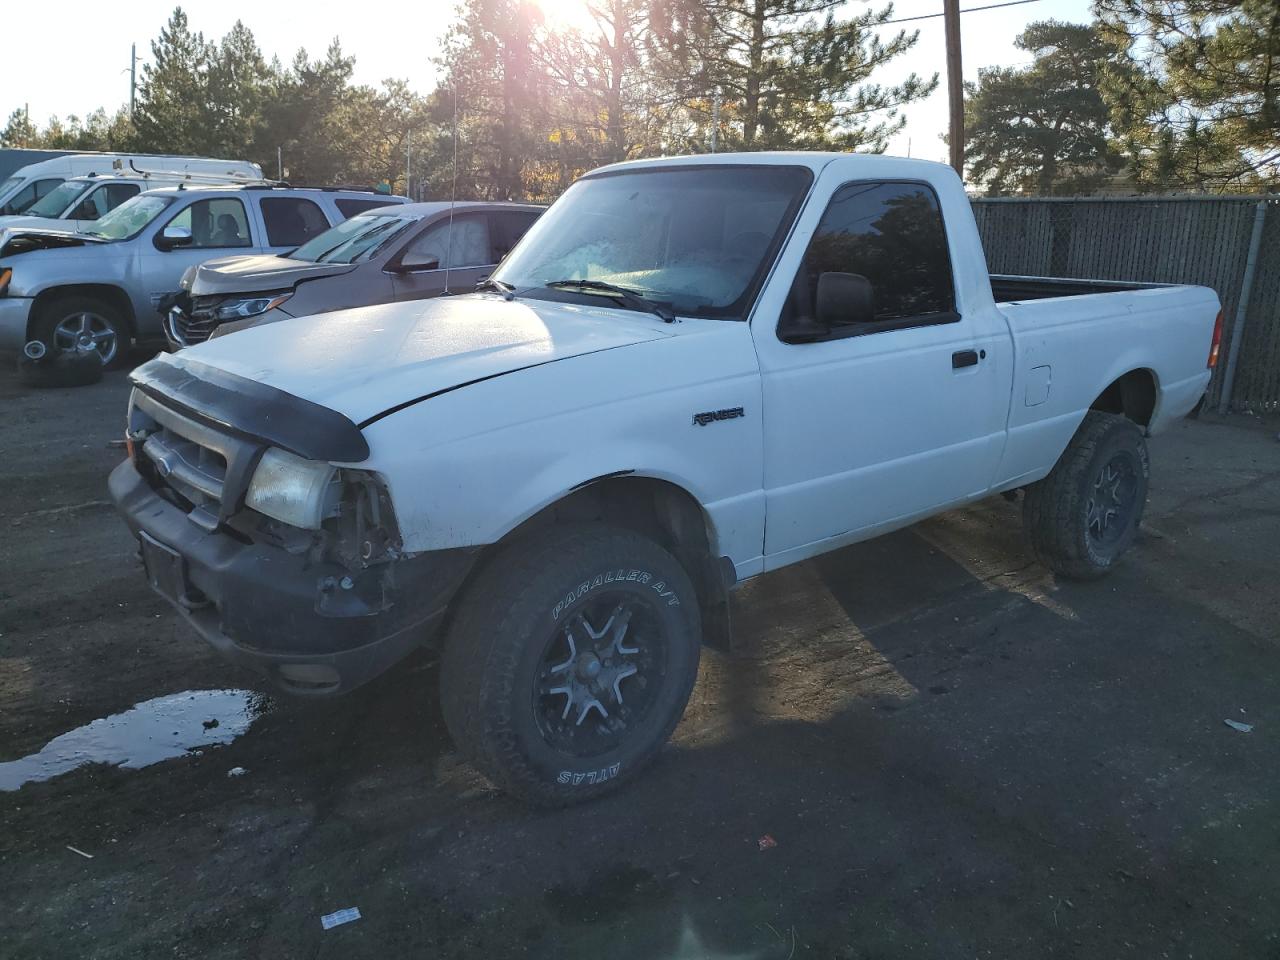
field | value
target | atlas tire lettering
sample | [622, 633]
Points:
[620, 575]
[576, 778]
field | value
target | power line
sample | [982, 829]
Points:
[930, 16]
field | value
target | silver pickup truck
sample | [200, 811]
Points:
[100, 288]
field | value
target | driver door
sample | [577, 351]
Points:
[888, 413]
[465, 248]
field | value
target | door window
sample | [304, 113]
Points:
[506, 228]
[436, 248]
[103, 200]
[892, 235]
[292, 221]
[215, 223]
[29, 194]
[350, 206]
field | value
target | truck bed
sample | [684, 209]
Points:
[1011, 289]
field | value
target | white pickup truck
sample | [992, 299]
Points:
[689, 372]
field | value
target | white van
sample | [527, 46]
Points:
[29, 184]
[76, 203]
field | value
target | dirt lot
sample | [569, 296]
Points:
[956, 756]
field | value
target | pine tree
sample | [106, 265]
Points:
[489, 66]
[19, 131]
[173, 114]
[791, 74]
[1196, 99]
[1042, 128]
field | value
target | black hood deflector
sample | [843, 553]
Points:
[249, 408]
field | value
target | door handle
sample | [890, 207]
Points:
[964, 358]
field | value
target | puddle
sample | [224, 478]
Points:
[149, 732]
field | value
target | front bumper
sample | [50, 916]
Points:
[14, 314]
[310, 627]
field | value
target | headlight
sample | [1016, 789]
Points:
[250, 306]
[292, 490]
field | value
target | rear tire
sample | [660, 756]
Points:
[1085, 514]
[569, 662]
[82, 323]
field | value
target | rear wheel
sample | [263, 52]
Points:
[81, 324]
[1085, 514]
[570, 661]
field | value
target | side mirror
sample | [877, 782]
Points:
[171, 237]
[843, 299]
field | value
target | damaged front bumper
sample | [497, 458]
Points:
[312, 627]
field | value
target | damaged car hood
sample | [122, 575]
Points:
[24, 241]
[366, 361]
[251, 274]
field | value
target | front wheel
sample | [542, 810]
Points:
[79, 324]
[1085, 514]
[570, 661]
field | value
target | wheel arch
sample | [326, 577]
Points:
[656, 508]
[1133, 395]
[110, 293]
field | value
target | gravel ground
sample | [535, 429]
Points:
[956, 755]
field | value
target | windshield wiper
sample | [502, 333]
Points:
[628, 297]
[497, 286]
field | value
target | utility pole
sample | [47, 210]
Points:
[133, 80]
[715, 119]
[955, 82]
[279, 163]
[408, 160]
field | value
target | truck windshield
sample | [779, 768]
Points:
[697, 238]
[130, 218]
[61, 198]
[355, 239]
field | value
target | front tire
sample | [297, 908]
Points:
[84, 324]
[1085, 514]
[569, 662]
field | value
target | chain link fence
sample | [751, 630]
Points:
[1200, 240]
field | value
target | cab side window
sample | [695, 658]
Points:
[103, 200]
[890, 237]
[215, 223]
[436, 248]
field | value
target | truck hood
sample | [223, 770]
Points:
[24, 241]
[252, 274]
[370, 360]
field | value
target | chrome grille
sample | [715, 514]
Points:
[196, 472]
[199, 324]
[190, 458]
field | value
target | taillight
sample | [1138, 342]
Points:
[1217, 341]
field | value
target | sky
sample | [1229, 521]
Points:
[401, 40]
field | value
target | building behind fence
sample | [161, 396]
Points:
[1201, 240]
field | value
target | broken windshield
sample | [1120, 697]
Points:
[130, 218]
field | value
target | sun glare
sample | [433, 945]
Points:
[567, 14]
